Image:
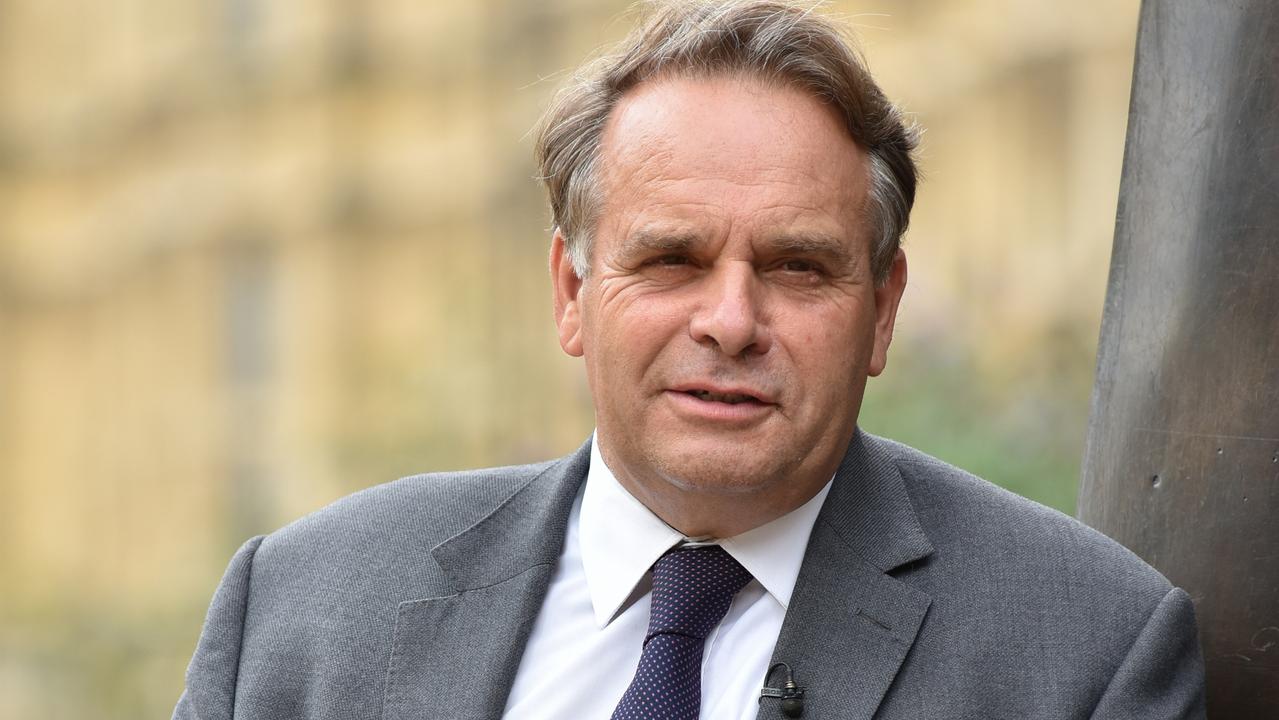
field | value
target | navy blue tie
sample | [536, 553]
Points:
[692, 589]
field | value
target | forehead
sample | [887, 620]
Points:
[733, 148]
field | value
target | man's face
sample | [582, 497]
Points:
[730, 317]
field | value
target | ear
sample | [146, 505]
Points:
[566, 290]
[887, 297]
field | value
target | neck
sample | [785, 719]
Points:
[724, 513]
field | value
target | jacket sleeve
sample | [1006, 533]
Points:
[214, 669]
[1163, 674]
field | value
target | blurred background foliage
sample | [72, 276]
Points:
[258, 255]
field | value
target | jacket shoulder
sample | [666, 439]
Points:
[1032, 613]
[971, 521]
[322, 592]
[397, 521]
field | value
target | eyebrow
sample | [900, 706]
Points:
[650, 240]
[821, 245]
[807, 244]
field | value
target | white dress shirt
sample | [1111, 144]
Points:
[586, 642]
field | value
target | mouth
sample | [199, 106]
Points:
[731, 398]
[722, 407]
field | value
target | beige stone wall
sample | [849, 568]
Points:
[255, 256]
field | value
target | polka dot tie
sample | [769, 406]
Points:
[692, 589]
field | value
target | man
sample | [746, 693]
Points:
[728, 191]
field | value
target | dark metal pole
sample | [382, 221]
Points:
[1182, 459]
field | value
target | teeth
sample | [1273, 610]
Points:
[730, 398]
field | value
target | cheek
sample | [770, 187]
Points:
[641, 326]
[625, 344]
[831, 348]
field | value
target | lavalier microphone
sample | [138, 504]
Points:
[791, 695]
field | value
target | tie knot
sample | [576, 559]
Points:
[692, 589]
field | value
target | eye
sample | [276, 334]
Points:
[669, 260]
[668, 267]
[801, 266]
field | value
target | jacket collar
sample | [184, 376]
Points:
[456, 655]
[525, 531]
[870, 510]
[850, 623]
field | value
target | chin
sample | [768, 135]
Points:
[721, 473]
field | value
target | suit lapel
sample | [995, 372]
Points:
[850, 624]
[456, 655]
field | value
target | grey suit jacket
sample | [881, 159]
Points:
[925, 593]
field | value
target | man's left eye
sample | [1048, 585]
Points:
[800, 266]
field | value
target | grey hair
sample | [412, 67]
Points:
[772, 40]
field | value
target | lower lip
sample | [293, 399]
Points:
[733, 413]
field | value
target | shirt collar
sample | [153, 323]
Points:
[621, 539]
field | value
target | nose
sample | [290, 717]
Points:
[728, 313]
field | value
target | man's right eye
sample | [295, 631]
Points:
[669, 260]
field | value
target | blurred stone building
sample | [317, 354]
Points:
[257, 255]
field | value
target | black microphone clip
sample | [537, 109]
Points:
[791, 695]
